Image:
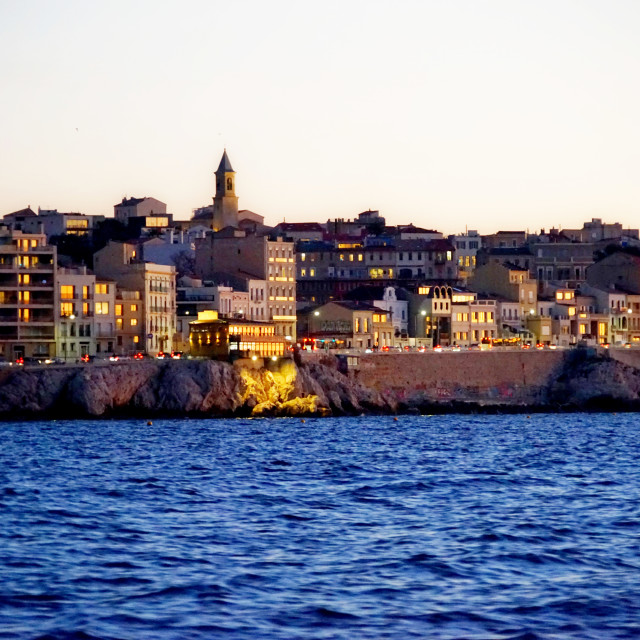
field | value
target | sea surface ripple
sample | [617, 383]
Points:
[504, 527]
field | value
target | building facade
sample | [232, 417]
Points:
[155, 285]
[28, 295]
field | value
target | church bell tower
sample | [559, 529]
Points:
[225, 202]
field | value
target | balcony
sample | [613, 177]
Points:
[617, 311]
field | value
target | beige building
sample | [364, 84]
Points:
[620, 269]
[104, 318]
[348, 325]
[130, 325]
[28, 295]
[473, 320]
[507, 281]
[75, 335]
[156, 287]
[140, 208]
[86, 323]
[255, 258]
[430, 315]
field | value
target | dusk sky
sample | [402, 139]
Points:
[481, 114]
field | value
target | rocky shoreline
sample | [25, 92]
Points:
[202, 388]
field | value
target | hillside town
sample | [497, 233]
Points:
[77, 287]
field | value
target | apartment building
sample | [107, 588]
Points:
[256, 258]
[325, 272]
[104, 316]
[131, 334]
[346, 324]
[154, 321]
[507, 281]
[28, 295]
[430, 310]
[75, 334]
[467, 246]
[51, 222]
[473, 319]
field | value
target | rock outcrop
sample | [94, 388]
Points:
[321, 387]
[590, 381]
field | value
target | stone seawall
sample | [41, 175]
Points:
[379, 383]
[508, 377]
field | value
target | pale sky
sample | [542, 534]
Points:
[448, 114]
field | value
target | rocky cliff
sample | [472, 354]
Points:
[190, 387]
[207, 388]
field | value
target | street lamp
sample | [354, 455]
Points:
[316, 314]
[422, 313]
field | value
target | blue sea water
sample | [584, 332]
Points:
[426, 527]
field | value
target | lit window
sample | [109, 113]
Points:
[102, 308]
[119, 323]
[118, 309]
[66, 308]
[134, 322]
[101, 288]
[66, 292]
[134, 307]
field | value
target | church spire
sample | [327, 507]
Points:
[225, 164]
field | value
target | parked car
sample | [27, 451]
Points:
[176, 355]
[33, 360]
